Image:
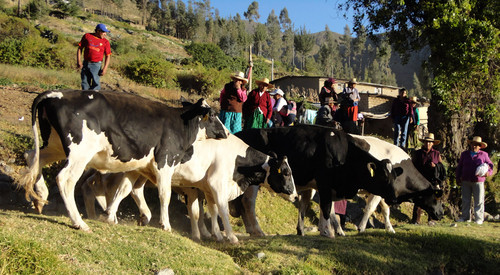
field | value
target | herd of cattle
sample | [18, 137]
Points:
[129, 140]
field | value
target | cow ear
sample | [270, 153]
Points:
[195, 110]
[272, 154]
[185, 102]
[371, 167]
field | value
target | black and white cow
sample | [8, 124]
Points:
[112, 132]
[427, 199]
[329, 160]
[222, 169]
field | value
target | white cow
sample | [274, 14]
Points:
[222, 169]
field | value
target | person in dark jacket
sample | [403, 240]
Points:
[326, 114]
[327, 91]
[400, 114]
[428, 161]
[231, 102]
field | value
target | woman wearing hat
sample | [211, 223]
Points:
[470, 175]
[327, 91]
[427, 160]
[257, 109]
[231, 102]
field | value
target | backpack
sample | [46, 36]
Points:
[290, 108]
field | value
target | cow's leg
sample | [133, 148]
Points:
[325, 204]
[201, 223]
[89, 197]
[248, 212]
[193, 211]
[371, 204]
[335, 222]
[164, 193]
[212, 209]
[120, 186]
[386, 211]
[140, 201]
[66, 181]
[304, 201]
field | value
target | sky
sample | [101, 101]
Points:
[313, 14]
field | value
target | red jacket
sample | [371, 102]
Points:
[254, 100]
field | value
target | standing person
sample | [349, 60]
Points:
[472, 169]
[95, 47]
[327, 91]
[400, 114]
[427, 160]
[326, 114]
[349, 100]
[414, 123]
[231, 102]
[257, 109]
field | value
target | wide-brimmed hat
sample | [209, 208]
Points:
[414, 99]
[430, 137]
[352, 81]
[478, 140]
[239, 76]
[265, 81]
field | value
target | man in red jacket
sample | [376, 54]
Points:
[95, 47]
[257, 109]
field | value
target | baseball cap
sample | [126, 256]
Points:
[101, 27]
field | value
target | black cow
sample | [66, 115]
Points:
[325, 159]
[112, 132]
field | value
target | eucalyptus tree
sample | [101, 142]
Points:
[303, 42]
[288, 55]
[273, 46]
[252, 13]
[260, 36]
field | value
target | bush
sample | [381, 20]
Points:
[204, 82]
[152, 71]
[209, 55]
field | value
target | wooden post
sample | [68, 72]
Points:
[250, 65]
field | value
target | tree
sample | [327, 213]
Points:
[346, 41]
[464, 41]
[260, 37]
[273, 46]
[252, 12]
[303, 42]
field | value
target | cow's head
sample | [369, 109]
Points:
[429, 200]
[208, 123]
[279, 177]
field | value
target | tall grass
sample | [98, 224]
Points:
[38, 76]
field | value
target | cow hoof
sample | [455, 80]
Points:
[143, 220]
[233, 240]
[257, 233]
[327, 234]
[166, 228]
[83, 228]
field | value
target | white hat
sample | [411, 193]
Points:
[277, 92]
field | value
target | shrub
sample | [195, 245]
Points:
[209, 55]
[152, 71]
[202, 81]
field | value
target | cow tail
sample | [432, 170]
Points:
[30, 175]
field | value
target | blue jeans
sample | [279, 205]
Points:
[90, 76]
[401, 130]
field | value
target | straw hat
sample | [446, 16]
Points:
[239, 76]
[477, 140]
[265, 81]
[430, 137]
[353, 81]
[414, 99]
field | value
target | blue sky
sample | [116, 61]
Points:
[313, 14]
